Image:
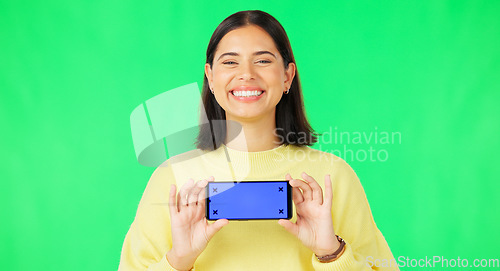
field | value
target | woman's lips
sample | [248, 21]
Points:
[247, 93]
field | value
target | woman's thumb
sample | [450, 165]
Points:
[215, 227]
[289, 226]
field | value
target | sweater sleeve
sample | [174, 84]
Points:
[149, 239]
[366, 247]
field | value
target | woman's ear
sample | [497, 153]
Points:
[289, 75]
[208, 74]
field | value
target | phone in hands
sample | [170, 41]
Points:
[249, 200]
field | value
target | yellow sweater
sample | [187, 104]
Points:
[256, 245]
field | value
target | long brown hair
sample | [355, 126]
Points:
[291, 122]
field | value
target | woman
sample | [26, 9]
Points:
[252, 85]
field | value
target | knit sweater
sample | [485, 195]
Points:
[256, 244]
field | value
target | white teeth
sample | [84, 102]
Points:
[247, 93]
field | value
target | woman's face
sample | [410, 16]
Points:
[248, 76]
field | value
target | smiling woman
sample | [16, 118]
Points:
[237, 68]
[251, 80]
[250, 51]
[248, 78]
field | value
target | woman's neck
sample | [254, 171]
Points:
[252, 136]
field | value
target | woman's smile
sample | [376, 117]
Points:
[246, 94]
[248, 75]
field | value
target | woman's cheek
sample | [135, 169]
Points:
[224, 79]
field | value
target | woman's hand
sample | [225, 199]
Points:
[191, 231]
[314, 226]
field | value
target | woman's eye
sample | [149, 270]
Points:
[264, 61]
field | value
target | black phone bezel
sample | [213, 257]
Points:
[289, 200]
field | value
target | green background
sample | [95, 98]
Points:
[71, 72]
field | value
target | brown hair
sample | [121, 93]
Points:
[291, 121]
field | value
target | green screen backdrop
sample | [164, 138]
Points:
[421, 76]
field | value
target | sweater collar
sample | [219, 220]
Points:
[252, 165]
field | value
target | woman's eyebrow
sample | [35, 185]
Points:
[258, 53]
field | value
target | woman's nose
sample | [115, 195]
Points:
[246, 71]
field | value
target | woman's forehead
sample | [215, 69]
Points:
[246, 40]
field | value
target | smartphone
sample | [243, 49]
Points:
[249, 200]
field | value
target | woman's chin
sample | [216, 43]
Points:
[245, 115]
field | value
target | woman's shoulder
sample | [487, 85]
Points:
[187, 156]
[321, 159]
[180, 158]
[193, 163]
[316, 155]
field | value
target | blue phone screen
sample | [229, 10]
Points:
[248, 200]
